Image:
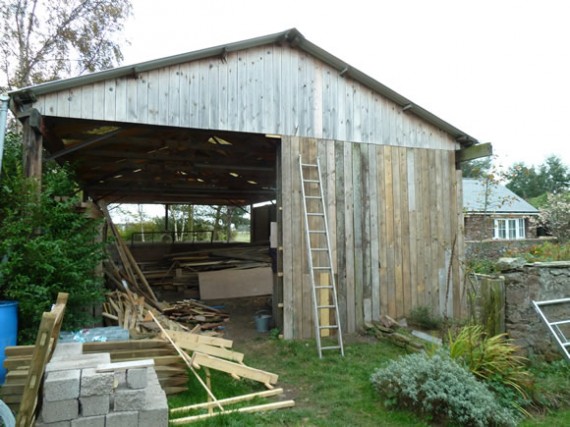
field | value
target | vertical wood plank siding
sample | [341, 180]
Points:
[389, 178]
[268, 89]
[396, 218]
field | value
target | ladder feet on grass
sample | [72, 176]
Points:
[319, 258]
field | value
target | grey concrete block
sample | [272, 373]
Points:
[122, 419]
[94, 405]
[62, 410]
[152, 377]
[96, 383]
[137, 378]
[98, 421]
[129, 400]
[120, 379]
[79, 362]
[155, 411]
[66, 350]
[62, 385]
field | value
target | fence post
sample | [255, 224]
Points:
[492, 304]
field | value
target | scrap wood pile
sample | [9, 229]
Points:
[132, 313]
[390, 330]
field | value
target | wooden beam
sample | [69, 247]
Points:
[121, 366]
[247, 409]
[474, 152]
[33, 145]
[230, 400]
[201, 359]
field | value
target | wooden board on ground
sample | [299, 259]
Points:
[236, 283]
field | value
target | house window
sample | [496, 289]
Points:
[509, 229]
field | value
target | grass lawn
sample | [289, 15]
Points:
[333, 391]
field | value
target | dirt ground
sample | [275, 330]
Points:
[241, 327]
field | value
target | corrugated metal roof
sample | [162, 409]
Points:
[292, 36]
[479, 196]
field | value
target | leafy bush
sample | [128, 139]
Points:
[46, 247]
[551, 390]
[547, 252]
[441, 388]
[495, 361]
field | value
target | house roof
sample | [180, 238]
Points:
[292, 36]
[481, 196]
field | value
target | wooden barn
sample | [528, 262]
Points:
[226, 125]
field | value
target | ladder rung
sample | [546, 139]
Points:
[312, 197]
[318, 231]
[314, 165]
[561, 322]
[323, 287]
[311, 180]
[331, 347]
[566, 344]
[315, 214]
[321, 268]
[325, 306]
[328, 327]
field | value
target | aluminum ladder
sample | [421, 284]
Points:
[556, 325]
[319, 258]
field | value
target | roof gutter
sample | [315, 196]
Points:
[4, 101]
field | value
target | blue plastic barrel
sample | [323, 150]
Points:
[8, 331]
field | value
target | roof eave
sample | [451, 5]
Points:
[292, 36]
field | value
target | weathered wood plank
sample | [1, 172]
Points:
[340, 232]
[287, 236]
[349, 238]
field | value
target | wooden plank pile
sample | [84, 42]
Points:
[216, 353]
[131, 312]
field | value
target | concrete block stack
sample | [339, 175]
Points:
[78, 394]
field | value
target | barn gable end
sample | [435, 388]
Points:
[389, 167]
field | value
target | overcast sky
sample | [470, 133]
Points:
[498, 70]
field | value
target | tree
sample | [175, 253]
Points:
[555, 216]
[524, 181]
[47, 39]
[46, 246]
[477, 168]
[555, 176]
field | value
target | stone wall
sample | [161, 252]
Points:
[536, 282]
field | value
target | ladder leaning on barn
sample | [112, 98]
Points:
[319, 258]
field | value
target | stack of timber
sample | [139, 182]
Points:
[192, 312]
[216, 353]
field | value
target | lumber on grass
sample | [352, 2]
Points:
[229, 400]
[248, 409]
[190, 337]
[243, 371]
[188, 362]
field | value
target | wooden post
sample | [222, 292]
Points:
[492, 305]
[33, 143]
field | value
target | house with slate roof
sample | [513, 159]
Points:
[492, 211]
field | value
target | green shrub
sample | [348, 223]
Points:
[547, 252]
[496, 361]
[440, 388]
[423, 317]
[46, 247]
